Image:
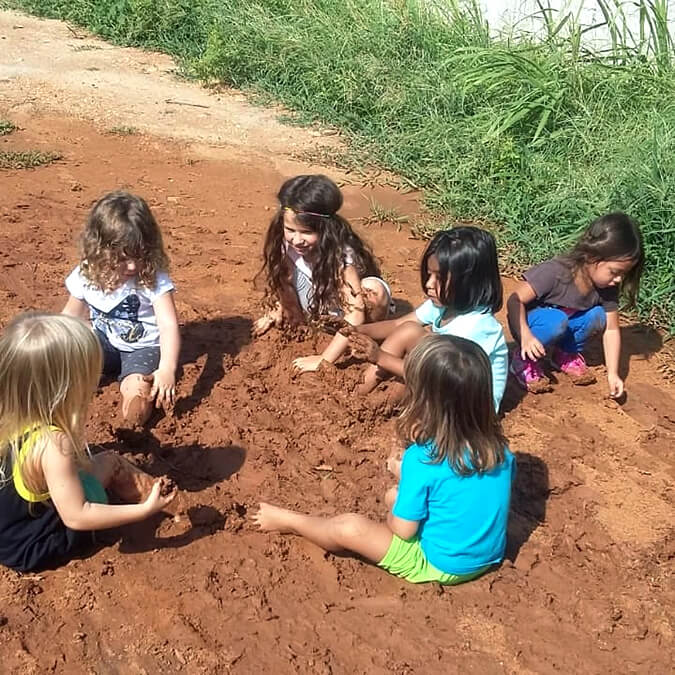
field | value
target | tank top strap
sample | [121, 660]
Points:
[28, 439]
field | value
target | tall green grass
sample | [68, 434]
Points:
[535, 134]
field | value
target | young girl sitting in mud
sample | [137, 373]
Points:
[52, 492]
[460, 278]
[563, 302]
[316, 265]
[449, 514]
[122, 284]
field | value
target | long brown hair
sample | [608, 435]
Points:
[121, 226]
[315, 201]
[614, 236]
[449, 404]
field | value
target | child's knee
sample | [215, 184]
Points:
[552, 323]
[348, 527]
[597, 320]
[376, 299]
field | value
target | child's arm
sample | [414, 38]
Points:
[67, 494]
[611, 343]
[164, 378]
[381, 330]
[530, 347]
[354, 314]
[77, 308]
[406, 529]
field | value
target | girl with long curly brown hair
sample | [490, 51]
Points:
[314, 264]
[122, 285]
[447, 518]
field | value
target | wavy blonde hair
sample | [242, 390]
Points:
[121, 226]
[449, 404]
[49, 370]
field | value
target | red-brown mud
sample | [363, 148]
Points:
[586, 585]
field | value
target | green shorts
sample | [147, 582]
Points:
[406, 559]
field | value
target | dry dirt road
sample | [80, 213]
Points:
[587, 584]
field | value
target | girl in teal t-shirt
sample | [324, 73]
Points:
[449, 513]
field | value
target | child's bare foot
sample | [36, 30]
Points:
[136, 400]
[129, 483]
[272, 518]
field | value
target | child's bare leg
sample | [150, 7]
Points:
[347, 532]
[103, 467]
[122, 478]
[398, 344]
[376, 299]
[390, 497]
[136, 401]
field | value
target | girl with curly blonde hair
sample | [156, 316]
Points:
[122, 285]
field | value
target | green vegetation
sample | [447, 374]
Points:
[7, 127]
[122, 130]
[537, 136]
[28, 159]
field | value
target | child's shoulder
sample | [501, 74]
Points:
[553, 267]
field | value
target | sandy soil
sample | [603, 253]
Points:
[587, 584]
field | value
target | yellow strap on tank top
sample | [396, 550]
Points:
[28, 440]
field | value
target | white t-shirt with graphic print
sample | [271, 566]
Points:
[126, 315]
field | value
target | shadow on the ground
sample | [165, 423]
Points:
[191, 467]
[215, 338]
[636, 340]
[528, 501]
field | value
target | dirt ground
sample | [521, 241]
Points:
[587, 583]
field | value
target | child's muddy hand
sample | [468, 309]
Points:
[157, 499]
[163, 387]
[363, 348]
[531, 348]
[307, 364]
[616, 387]
[262, 325]
[332, 324]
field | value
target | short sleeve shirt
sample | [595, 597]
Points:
[126, 315]
[479, 327]
[463, 519]
[554, 285]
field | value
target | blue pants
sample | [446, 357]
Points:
[551, 326]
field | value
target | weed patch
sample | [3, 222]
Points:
[29, 159]
[538, 136]
[7, 127]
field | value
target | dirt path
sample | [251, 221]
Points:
[587, 585]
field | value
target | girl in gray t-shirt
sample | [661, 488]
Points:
[563, 302]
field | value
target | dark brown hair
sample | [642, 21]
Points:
[315, 200]
[467, 258]
[121, 226]
[611, 237]
[449, 404]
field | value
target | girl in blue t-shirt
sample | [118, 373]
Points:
[449, 513]
[460, 278]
